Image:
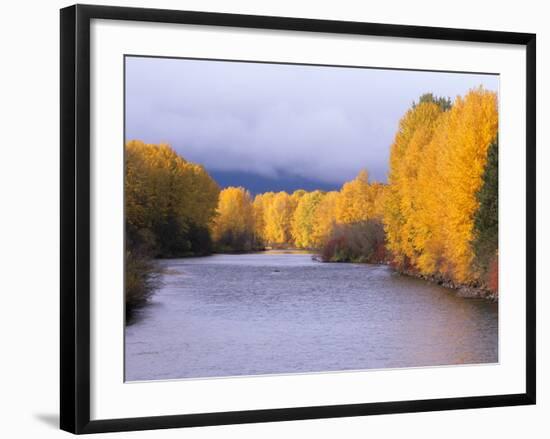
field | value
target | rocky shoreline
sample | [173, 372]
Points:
[470, 291]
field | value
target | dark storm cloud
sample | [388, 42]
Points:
[318, 123]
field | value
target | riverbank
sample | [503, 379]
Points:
[470, 291]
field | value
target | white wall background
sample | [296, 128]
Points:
[29, 206]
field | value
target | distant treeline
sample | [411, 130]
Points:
[305, 220]
[437, 216]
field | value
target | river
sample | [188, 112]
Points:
[278, 312]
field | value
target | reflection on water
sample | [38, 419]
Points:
[282, 312]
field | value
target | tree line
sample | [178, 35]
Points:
[169, 206]
[441, 208]
[304, 220]
[437, 215]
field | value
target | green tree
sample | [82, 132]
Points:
[442, 102]
[486, 219]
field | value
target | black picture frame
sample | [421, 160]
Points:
[75, 217]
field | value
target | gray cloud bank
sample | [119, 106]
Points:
[318, 123]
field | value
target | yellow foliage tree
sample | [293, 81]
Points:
[415, 130]
[303, 219]
[166, 197]
[353, 203]
[325, 218]
[234, 225]
[472, 127]
[360, 200]
[169, 207]
[431, 214]
[278, 219]
[436, 166]
[261, 201]
[296, 195]
[378, 199]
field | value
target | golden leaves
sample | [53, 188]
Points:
[304, 219]
[436, 167]
[159, 183]
[234, 213]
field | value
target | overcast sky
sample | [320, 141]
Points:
[319, 124]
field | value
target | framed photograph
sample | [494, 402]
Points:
[273, 218]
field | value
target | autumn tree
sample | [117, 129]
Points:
[278, 220]
[169, 207]
[296, 195]
[325, 218]
[473, 126]
[377, 199]
[259, 205]
[415, 131]
[233, 228]
[169, 202]
[431, 213]
[303, 220]
[437, 163]
[359, 200]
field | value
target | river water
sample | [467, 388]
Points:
[277, 312]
